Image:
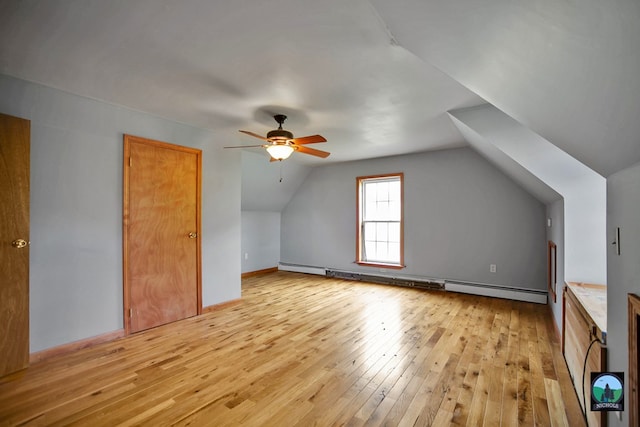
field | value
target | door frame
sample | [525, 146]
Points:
[127, 141]
[633, 319]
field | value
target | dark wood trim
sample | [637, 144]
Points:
[634, 395]
[552, 269]
[198, 154]
[259, 272]
[75, 346]
[126, 303]
[216, 307]
[565, 289]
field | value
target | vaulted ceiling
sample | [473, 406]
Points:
[376, 78]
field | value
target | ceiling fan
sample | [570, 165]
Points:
[280, 143]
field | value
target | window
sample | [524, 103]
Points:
[380, 228]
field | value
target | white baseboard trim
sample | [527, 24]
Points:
[302, 269]
[527, 295]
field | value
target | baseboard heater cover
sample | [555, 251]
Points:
[296, 268]
[483, 289]
[413, 282]
[517, 294]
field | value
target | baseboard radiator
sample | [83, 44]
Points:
[484, 289]
[387, 280]
[517, 294]
[297, 268]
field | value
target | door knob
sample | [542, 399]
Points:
[193, 235]
[19, 243]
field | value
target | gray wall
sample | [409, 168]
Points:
[624, 269]
[583, 190]
[461, 214]
[76, 209]
[260, 240]
[268, 186]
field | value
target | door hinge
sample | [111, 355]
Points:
[131, 312]
[130, 162]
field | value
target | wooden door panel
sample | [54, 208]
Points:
[14, 261]
[163, 209]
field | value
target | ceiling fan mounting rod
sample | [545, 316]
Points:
[280, 118]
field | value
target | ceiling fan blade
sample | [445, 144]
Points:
[311, 139]
[312, 151]
[255, 135]
[246, 146]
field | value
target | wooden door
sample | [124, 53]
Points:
[14, 244]
[161, 233]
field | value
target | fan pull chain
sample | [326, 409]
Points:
[280, 170]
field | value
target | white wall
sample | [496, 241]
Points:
[260, 240]
[76, 209]
[624, 269]
[461, 214]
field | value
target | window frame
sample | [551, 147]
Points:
[359, 208]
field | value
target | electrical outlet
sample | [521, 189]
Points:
[246, 255]
[493, 268]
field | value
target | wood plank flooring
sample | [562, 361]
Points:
[301, 350]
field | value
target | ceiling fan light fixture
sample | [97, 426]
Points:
[280, 151]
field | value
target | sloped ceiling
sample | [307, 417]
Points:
[376, 78]
[569, 71]
[328, 65]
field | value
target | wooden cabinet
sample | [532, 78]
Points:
[584, 332]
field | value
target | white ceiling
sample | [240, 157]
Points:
[329, 65]
[568, 70]
[376, 78]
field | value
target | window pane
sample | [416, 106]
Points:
[370, 191]
[370, 211]
[381, 251]
[369, 249]
[369, 231]
[394, 211]
[394, 232]
[394, 191]
[382, 211]
[394, 252]
[383, 191]
[382, 231]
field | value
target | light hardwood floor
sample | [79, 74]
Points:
[302, 350]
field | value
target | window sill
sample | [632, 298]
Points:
[380, 265]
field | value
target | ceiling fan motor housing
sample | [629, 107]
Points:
[280, 134]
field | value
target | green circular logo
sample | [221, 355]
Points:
[607, 388]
